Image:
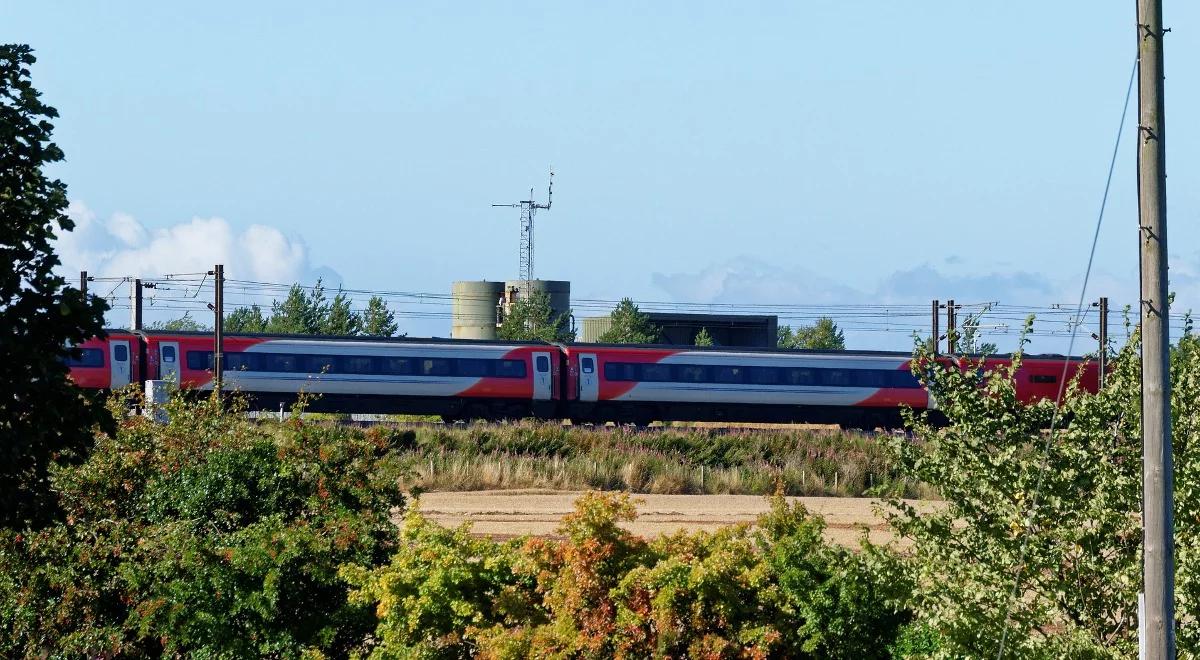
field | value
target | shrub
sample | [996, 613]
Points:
[210, 535]
[1040, 540]
[599, 592]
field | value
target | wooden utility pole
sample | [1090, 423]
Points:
[135, 305]
[218, 329]
[934, 318]
[83, 284]
[1158, 549]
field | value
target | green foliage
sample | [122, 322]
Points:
[44, 420]
[703, 338]
[247, 320]
[306, 311]
[340, 320]
[302, 312]
[532, 319]
[211, 536]
[184, 323]
[378, 320]
[1074, 559]
[599, 592]
[822, 335]
[441, 587]
[628, 325]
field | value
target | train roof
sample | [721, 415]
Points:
[812, 351]
[354, 338]
[580, 345]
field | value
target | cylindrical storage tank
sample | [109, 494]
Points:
[473, 309]
[559, 291]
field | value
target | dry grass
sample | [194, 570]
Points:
[804, 462]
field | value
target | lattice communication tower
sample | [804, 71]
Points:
[529, 208]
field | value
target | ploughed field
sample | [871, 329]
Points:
[505, 514]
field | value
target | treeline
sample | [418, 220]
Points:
[533, 319]
[305, 311]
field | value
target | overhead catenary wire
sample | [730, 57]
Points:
[1045, 457]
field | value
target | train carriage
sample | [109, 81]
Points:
[470, 379]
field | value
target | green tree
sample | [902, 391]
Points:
[969, 338]
[378, 320]
[248, 320]
[703, 338]
[629, 325]
[303, 312]
[44, 420]
[184, 323]
[532, 319]
[822, 335]
[1049, 517]
[340, 319]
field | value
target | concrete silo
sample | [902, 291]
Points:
[473, 309]
[558, 290]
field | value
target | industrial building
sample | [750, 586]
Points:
[760, 331]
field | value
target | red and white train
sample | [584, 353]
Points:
[467, 379]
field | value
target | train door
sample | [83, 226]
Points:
[118, 353]
[542, 378]
[589, 380]
[168, 361]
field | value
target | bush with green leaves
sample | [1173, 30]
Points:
[775, 590]
[1040, 541]
[212, 535]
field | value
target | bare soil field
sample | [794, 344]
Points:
[506, 514]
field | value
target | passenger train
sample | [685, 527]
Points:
[470, 379]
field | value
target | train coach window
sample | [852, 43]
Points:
[656, 373]
[903, 379]
[836, 377]
[471, 367]
[88, 357]
[317, 364]
[398, 366]
[199, 360]
[120, 352]
[620, 371]
[1043, 378]
[357, 364]
[763, 375]
[510, 368]
[588, 365]
[168, 354]
[543, 364]
[281, 362]
[243, 362]
[691, 373]
[435, 367]
[801, 376]
[725, 374]
[869, 378]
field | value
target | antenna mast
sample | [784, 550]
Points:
[529, 208]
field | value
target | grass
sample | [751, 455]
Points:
[667, 461]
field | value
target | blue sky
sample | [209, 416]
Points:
[750, 153]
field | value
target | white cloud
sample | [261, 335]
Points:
[122, 246]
